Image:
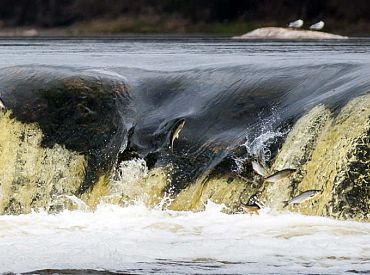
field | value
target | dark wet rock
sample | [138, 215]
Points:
[85, 112]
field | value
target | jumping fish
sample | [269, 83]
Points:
[176, 132]
[279, 175]
[304, 196]
[2, 105]
[259, 169]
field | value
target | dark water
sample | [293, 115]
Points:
[228, 92]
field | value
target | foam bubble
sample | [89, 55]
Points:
[139, 238]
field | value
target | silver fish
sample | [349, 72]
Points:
[259, 169]
[2, 105]
[176, 132]
[304, 196]
[279, 175]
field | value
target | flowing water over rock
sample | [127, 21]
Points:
[88, 126]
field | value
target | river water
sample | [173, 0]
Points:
[210, 82]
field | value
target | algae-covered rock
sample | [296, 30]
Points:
[332, 154]
[85, 112]
[73, 140]
[32, 176]
[340, 165]
[131, 183]
[222, 189]
[295, 152]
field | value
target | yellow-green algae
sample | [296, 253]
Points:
[35, 177]
[295, 152]
[221, 189]
[31, 175]
[340, 165]
[132, 183]
[316, 141]
[330, 152]
[93, 196]
[335, 160]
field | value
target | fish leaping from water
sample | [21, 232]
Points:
[176, 132]
[275, 177]
[2, 105]
[279, 175]
[259, 169]
[304, 196]
[296, 24]
[317, 26]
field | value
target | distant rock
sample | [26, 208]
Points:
[19, 32]
[285, 33]
[30, 32]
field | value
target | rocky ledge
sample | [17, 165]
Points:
[285, 33]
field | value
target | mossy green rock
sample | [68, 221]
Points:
[332, 154]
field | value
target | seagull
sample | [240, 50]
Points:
[318, 26]
[296, 24]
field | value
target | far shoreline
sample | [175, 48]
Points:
[51, 34]
[114, 28]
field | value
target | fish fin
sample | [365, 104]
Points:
[285, 203]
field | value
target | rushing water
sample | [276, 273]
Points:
[231, 94]
[139, 240]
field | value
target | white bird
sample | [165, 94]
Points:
[296, 24]
[318, 26]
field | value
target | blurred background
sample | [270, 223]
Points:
[84, 17]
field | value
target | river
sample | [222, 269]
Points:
[71, 193]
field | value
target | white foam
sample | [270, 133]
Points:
[137, 238]
[258, 147]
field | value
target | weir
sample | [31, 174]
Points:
[73, 140]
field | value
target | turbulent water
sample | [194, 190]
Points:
[89, 178]
[140, 240]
